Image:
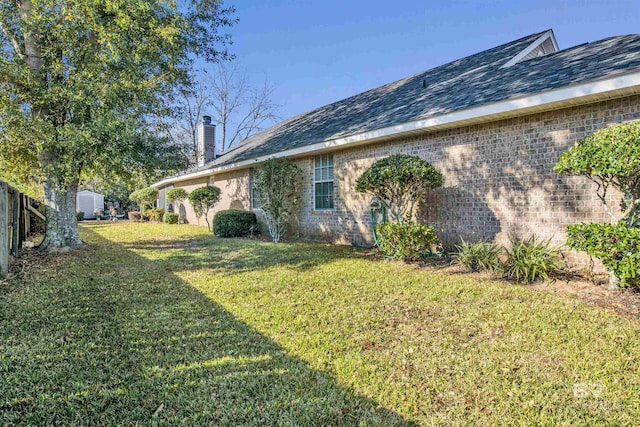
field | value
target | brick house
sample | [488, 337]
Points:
[493, 123]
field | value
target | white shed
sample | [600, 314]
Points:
[88, 201]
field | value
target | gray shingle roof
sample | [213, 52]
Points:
[464, 83]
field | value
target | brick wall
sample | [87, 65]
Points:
[499, 179]
[234, 188]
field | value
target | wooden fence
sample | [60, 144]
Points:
[16, 211]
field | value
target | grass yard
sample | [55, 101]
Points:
[165, 325]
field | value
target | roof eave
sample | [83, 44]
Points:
[578, 94]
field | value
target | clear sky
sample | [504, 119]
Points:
[318, 52]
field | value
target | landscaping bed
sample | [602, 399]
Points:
[161, 324]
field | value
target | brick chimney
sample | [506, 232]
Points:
[206, 141]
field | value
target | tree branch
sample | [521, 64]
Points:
[601, 192]
[632, 207]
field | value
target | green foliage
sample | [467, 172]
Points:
[157, 214]
[234, 223]
[204, 199]
[407, 242]
[145, 198]
[114, 193]
[616, 245]
[83, 84]
[170, 218]
[479, 256]
[80, 216]
[278, 181]
[609, 157]
[529, 260]
[177, 195]
[399, 181]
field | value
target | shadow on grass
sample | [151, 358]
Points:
[235, 256]
[115, 338]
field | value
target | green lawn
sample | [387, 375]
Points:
[165, 324]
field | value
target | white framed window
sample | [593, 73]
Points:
[323, 182]
[254, 194]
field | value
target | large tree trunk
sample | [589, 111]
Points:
[61, 230]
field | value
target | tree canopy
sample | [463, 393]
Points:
[82, 82]
[399, 181]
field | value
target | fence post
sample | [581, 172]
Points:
[15, 237]
[22, 207]
[4, 229]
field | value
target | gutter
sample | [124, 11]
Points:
[581, 93]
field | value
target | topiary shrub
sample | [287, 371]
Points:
[145, 198]
[479, 256]
[204, 199]
[234, 223]
[529, 260]
[616, 245]
[177, 196]
[399, 181]
[407, 242]
[609, 157]
[170, 218]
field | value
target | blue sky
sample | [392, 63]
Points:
[318, 52]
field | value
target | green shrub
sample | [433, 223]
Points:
[234, 223]
[406, 241]
[80, 216]
[170, 218]
[616, 245]
[479, 256]
[529, 260]
[156, 214]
